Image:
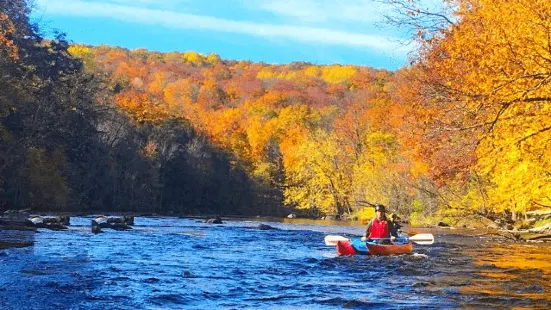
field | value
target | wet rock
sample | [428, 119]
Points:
[95, 228]
[34, 272]
[112, 222]
[187, 274]
[17, 214]
[216, 220]
[14, 219]
[50, 222]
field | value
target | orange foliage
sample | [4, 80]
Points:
[263, 114]
[141, 106]
[6, 29]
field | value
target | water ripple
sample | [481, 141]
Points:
[185, 264]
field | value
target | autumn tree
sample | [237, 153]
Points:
[483, 73]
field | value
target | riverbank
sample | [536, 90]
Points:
[535, 227]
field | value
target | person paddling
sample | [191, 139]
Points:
[395, 219]
[380, 227]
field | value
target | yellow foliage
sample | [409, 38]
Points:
[337, 74]
[318, 177]
[84, 53]
[213, 59]
[79, 51]
[266, 73]
[364, 214]
[287, 75]
[264, 170]
[194, 59]
[494, 66]
[312, 71]
[517, 181]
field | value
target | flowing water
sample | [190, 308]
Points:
[170, 263]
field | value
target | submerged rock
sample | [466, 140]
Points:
[265, 227]
[216, 220]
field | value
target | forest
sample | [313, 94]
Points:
[463, 129]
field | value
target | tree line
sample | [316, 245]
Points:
[65, 146]
[463, 129]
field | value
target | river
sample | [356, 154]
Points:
[172, 263]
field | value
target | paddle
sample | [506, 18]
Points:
[425, 239]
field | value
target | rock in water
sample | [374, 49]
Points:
[216, 220]
[265, 227]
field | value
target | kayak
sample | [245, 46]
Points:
[357, 246]
[390, 249]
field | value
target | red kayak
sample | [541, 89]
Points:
[359, 247]
[390, 249]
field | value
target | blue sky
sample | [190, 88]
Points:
[272, 31]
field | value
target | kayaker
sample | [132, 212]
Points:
[395, 219]
[380, 227]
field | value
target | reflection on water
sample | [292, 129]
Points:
[517, 255]
[170, 263]
[516, 271]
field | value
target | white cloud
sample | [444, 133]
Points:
[175, 20]
[322, 11]
[156, 2]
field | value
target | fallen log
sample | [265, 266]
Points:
[539, 212]
[538, 237]
[540, 229]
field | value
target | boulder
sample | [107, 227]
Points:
[50, 222]
[112, 222]
[16, 219]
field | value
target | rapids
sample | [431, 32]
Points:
[173, 263]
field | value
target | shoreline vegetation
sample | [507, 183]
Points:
[536, 227]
